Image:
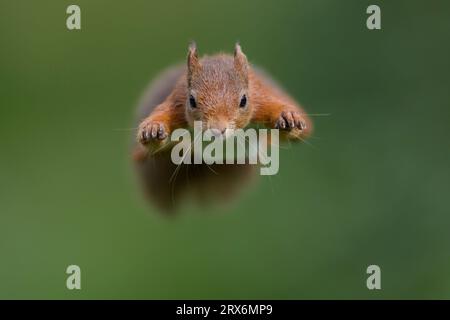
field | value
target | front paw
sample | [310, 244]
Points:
[290, 120]
[152, 132]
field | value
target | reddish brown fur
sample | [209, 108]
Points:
[217, 83]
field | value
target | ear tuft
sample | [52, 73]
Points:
[237, 49]
[240, 60]
[192, 49]
[192, 59]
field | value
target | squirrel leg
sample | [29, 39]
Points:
[290, 119]
[153, 132]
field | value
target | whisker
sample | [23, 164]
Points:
[213, 171]
[317, 114]
[308, 143]
[164, 146]
[125, 129]
[175, 173]
[182, 160]
[174, 176]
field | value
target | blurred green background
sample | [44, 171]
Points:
[372, 188]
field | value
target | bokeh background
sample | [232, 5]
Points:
[372, 187]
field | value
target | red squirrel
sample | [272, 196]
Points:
[224, 92]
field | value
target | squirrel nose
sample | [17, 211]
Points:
[219, 128]
[218, 132]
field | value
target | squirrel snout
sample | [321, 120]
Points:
[218, 132]
[218, 128]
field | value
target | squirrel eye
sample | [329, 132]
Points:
[192, 101]
[243, 101]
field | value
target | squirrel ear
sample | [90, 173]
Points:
[192, 59]
[240, 60]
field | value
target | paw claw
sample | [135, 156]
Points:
[290, 120]
[161, 133]
[151, 131]
[302, 125]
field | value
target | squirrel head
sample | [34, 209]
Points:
[218, 90]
